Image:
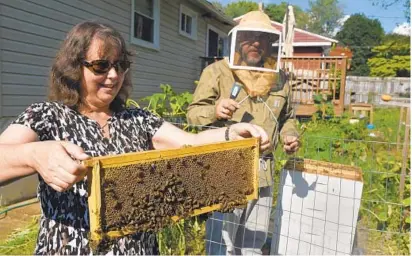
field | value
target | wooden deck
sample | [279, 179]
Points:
[310, 76]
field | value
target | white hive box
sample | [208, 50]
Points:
[317, 208]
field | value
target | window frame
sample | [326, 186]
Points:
[188, 12]
[156, 27]
[221, 34]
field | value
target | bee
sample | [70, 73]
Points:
[152, 167]
[109, 190]
[117, 205]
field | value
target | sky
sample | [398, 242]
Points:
[392, 18]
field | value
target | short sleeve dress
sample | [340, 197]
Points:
[64, 224]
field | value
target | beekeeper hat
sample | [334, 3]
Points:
[256, 20]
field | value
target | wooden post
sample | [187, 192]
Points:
[371, 115]
[342, 85]
[405, 154]
[398, 133]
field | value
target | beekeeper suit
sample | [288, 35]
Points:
[247, 87]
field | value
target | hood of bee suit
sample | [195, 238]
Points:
[253, 57]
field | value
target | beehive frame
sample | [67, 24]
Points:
[99, 163]
[324, 168]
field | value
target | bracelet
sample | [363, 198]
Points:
[227, 133]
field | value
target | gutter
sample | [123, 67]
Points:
[215, 13]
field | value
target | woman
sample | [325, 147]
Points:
[86, 117]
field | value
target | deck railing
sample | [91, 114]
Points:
[316, 75]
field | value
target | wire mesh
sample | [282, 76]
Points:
[382, 225]
[377, 223]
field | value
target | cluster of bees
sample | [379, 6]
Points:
[145, 196]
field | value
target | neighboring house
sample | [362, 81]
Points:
[305, 43]
[168, 38]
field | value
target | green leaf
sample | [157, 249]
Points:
[406, 201]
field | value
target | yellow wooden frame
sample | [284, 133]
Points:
[330, 169]
[94, 177]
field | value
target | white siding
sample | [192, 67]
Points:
[31, 32]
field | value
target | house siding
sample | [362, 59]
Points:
[307, 51]
[31, 32]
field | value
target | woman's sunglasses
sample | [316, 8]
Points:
[103, 66]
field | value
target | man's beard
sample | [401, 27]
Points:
[252, 61]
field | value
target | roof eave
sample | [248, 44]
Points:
[218, 14]
[307, 44]
[307, 32]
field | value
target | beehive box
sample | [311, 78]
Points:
[144, 191]
[317, 208]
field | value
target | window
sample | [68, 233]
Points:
[188, 22]
[145, 23]
[217, 42]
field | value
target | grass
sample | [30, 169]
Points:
[21, 241]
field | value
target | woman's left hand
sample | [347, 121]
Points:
[246, 130]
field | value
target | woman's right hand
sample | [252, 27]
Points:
[58, 163]
[247, 130]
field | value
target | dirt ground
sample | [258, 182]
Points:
[18, 218]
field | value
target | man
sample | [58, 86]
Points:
[244, 88]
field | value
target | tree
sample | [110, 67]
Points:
[360, 34]
[324, 16]
[218, 5]
[387, 3]
[392, 58]
[239, 8]
[276, 12]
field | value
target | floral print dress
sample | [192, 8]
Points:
[64, 225]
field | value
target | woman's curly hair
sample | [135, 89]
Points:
[66, 72]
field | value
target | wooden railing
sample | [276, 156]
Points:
[316, 75]
[309, 76]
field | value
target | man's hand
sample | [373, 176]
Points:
[225, 108]
[246, 130]
[290, 144]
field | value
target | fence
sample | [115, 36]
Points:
[370, 89]
[310, 76]
[381, 227]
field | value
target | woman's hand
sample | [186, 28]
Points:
[58, 163]
[246, 130]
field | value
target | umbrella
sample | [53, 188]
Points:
[288, 32]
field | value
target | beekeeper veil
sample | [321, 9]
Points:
[254, 53]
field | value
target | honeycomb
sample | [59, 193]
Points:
[145, 195]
